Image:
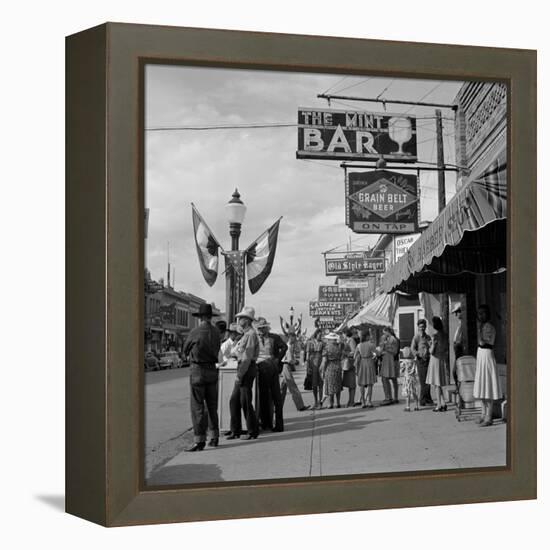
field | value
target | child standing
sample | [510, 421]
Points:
[409, 373]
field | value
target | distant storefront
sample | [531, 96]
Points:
[168, 318]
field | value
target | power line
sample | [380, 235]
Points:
[386, 88]
[424, 97]
[336, 84]
[223, 127]
[356, 84]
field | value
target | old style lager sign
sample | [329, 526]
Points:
[357, 265]
[381, 201]
[351, 135]
[333, 293]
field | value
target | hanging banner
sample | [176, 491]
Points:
[381, 201]
[333, 293]
[352, 135]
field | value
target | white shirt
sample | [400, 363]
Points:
[225, 350]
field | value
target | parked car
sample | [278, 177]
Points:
[151, 362]
[170, 360]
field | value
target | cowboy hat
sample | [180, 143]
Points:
[247, 312]
[261, 322]
[332, 336]
[457, 308]
[206, 311]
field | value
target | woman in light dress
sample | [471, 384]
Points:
[331, 368]
[486, 382]
[437, 368]
[364, 360]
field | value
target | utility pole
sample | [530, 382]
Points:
[440, 161]
[441, 200]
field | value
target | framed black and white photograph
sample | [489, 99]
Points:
[318, 261]
[248, 193]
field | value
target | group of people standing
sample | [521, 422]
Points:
[349, 361]
[258, 354]
[333, 361]
[431, 352]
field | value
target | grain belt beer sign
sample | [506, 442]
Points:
[333, 293]
[381, 201]
[336, 310]
[356, 264]
[352, 135]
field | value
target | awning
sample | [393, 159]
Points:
[379, 313]
[468, 236]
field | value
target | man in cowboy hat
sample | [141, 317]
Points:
[203, 346]
[246, 352]
[272, 351]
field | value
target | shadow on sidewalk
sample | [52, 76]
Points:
[336, 425]
[186, 473]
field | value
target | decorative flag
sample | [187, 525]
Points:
[259, 257]
[207, 248]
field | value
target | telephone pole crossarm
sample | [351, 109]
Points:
[383, 100]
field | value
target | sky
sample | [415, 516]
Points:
[204, 166]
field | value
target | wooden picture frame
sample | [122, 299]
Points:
[104, 186]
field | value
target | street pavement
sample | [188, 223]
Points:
[322, 442]
[167, 417]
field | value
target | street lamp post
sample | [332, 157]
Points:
[234, 260]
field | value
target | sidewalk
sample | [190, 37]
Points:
[344, 441]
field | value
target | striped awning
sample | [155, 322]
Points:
[378, 313]
[468, 236]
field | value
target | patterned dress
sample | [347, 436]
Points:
[348, 374]
[390, 347]
[333, 368]
[409, 373]
[314, 354]
[365, 363]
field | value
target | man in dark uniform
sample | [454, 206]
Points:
[202, 347]
[420, 348]
[272, 351]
